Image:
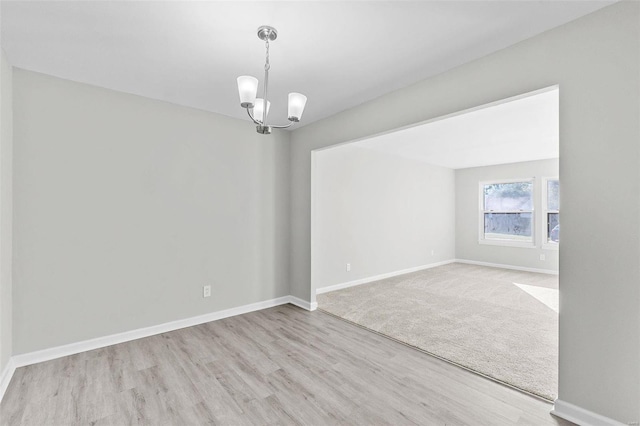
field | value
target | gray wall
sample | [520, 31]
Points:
[6, 210]
[595, 60]
[379, 212]
[467, 216]
[125, 207]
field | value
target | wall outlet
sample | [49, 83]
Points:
[543, 257]
[206, 291]
[348, 267]
[433, 252]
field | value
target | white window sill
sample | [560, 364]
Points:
[507, 243]
[551, 246]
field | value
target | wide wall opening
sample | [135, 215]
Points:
[446, 236]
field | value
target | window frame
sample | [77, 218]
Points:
[482, 211]
[545, 211]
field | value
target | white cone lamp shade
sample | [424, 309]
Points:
[257, 109]
[297, 101]
[247, 89]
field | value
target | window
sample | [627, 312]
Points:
[551, 212]
[506, 213]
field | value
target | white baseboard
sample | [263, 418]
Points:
[499, 265]
[348, 284]
[101, 342]
[6, 376]
[582, 417]
[303, 303]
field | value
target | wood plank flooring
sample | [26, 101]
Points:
[281, 365]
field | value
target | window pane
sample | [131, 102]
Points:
[508, 226]
[553, 227]
[508, 196]
[553, 195]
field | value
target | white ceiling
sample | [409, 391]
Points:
[340, 54]
[521, 129]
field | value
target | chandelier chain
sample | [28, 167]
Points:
[265, 102]
[266, 64]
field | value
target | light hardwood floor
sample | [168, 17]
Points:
[281, 365]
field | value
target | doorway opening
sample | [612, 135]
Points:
[446, 236]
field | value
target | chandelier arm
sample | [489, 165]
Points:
[251, 116]
[281, 127]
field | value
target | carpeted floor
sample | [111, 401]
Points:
[498, 322]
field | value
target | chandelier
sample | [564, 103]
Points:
[258, 109]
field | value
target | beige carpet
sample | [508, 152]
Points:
[498, 322]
